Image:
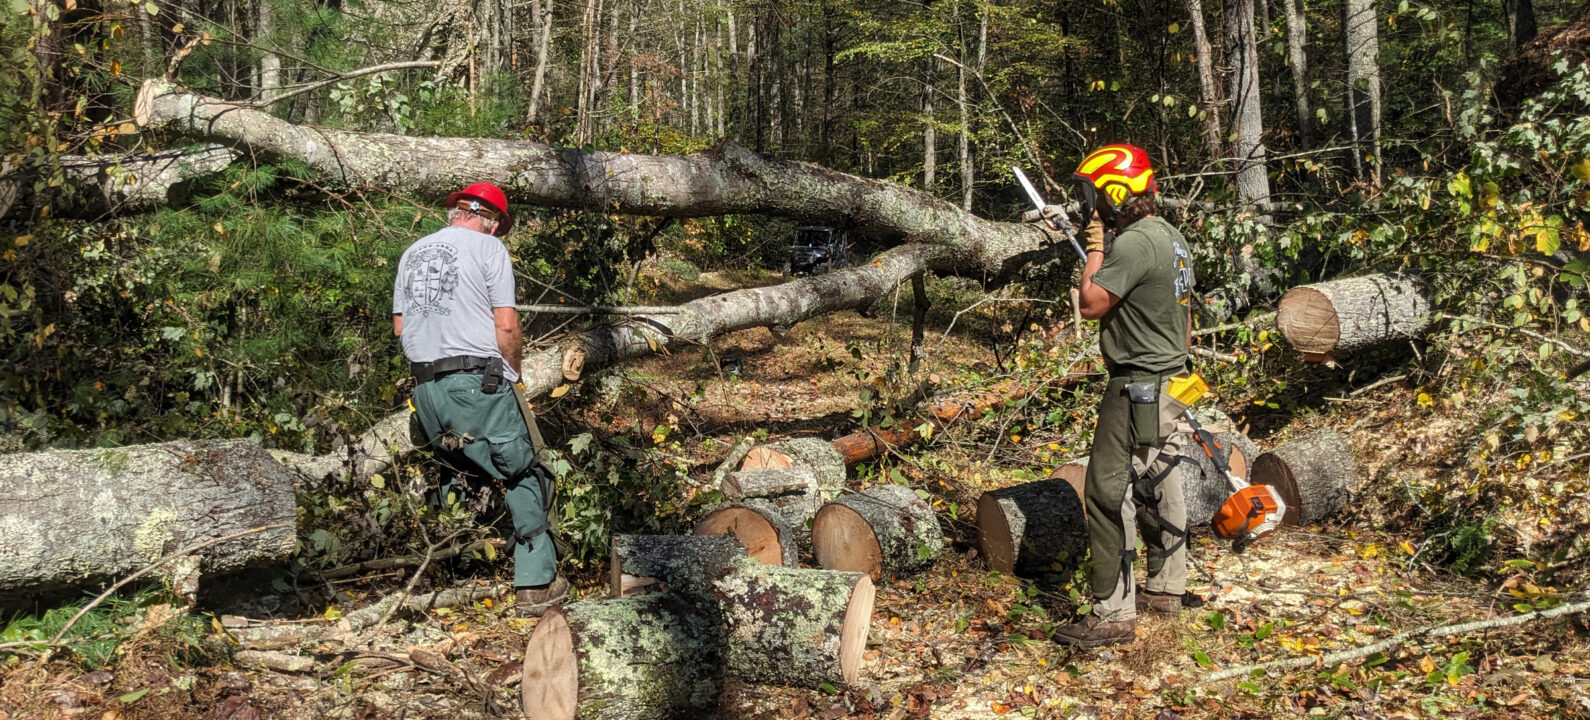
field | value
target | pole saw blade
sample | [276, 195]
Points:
[1037, 202]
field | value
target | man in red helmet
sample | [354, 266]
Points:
[1140, 292]
[453, 306]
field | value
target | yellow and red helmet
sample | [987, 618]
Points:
[1118, 171]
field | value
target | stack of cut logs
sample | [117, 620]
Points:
[729, 601]
[1039, 528]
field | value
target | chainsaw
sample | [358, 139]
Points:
[1252, 511]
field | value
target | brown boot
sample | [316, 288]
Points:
[1158, 603]
[1092, 632]
[533, 602]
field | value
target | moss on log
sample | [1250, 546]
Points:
[793, 626]
[73, 517]
[884, 531]
[1314, 474]
[638, 658]
[687, 564]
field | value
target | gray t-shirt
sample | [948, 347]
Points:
[447, 284]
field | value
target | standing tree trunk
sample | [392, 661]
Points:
[1297, 57]
[73, 517]
[1208, 91]
[930, 146]
[1362, 34]
[543, 51]
[1247, 118]
[270, 64]
[1520, 23]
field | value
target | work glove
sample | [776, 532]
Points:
[1053, 214]
[1093, 235]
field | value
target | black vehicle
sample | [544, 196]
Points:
[818, 250]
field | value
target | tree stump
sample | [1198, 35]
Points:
[638, 658]
[73, 517]
[1035, 528]
[687, 564]
[1340, 316]
[1314, 474]
[792, 626]
[761, 527]
[884, 531]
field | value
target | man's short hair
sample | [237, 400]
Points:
[1135, 208]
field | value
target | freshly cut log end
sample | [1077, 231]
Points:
[820, 457]
[1076, 474]
[74, 517]
[1340, 316]
[687, 564]
[796, 627]
[765, 458]
[1314, 474]
[762, 531]
[640, 658]
[1037, 528]
[884, 531]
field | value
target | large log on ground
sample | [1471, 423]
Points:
[814, 455]
[761, 527]
[793, 626]
[1314, 474]
[1340, 316]
[1036, 528]
[639, 658]
[884, 531]
[687, 564]
[1204, 487]
[72, 517]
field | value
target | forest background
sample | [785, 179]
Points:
[1296, 141]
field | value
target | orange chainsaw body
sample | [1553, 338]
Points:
[1246, 511]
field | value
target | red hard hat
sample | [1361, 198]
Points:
[492, 197]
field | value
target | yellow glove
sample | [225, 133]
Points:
[1093, 235]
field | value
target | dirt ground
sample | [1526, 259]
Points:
[958, 641]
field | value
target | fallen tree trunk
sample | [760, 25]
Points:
[1340, 316]
[885, 531]
[72, 517]
[639, 658]
[1203, 486]
[760, 526]
[118, 183]
[1314, 474]
[792, 626]
[725, 180]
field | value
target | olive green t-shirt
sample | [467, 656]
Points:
[1150, 270]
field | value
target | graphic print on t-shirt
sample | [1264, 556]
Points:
[1184, 275]
[432, 277]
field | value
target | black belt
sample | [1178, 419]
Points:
[425, 372]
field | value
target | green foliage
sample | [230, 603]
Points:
[185, 639]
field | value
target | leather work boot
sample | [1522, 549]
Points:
[1158, 603]
[1092, 632]
[533, 602]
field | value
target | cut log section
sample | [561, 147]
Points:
[639, 658]
[1203, 486]
[797, 627]
[687, 564]
[816, 455]
[1036, 528]
[1340, 316]
[884, 531]
[72, 517]
[1314, 474]
[769, 482]
[760, 526]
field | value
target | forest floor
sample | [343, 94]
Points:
[957, 641]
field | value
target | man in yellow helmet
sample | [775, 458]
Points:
[1140, 292]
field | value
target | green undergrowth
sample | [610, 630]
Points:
[181, 639]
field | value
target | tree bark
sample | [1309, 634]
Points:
[761, 527]
[1520, 23]
[769, 482]
[819, 456]
[885, 531]
[930, 146]
[796, 627]
[543, 51]
[270, 64]
[1204, 487]
[1337, 317]
[1034, 529]
[651, 657]
[686, 564]
[1247, 117]
[72, 517]
[1297, 57]
[1209, 92]
[1314, 475]
[1362, 35]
